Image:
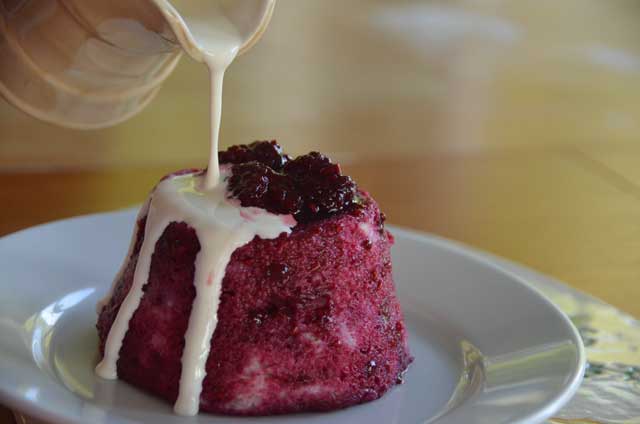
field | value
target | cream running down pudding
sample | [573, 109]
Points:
[271, 294]
[259, 286]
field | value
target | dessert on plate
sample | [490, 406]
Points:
[299, 314]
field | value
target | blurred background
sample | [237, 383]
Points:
[368, 77]
[509, 125]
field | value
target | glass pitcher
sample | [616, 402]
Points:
[87, 63]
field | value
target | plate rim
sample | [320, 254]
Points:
[572, 386]
[50, 415]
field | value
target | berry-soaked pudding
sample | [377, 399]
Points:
[271, 293]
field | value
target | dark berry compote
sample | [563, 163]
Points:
[310, 187]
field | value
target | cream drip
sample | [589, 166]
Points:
[222, 226]
[105, 300]
[200, 201]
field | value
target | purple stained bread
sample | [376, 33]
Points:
[307, 321]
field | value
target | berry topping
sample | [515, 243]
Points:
[309, 187]
[255, 184]
[266, 152]
[323, 188]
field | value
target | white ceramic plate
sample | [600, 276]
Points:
[488, 348]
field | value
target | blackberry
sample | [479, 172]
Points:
[268, 153]
[309, 187]
[255, 184]
[323, 188]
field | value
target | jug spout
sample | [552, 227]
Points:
[247, 19]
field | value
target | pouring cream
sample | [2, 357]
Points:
[214, 33]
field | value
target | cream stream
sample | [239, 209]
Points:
[222, 226]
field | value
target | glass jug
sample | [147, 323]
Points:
[89, 63]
